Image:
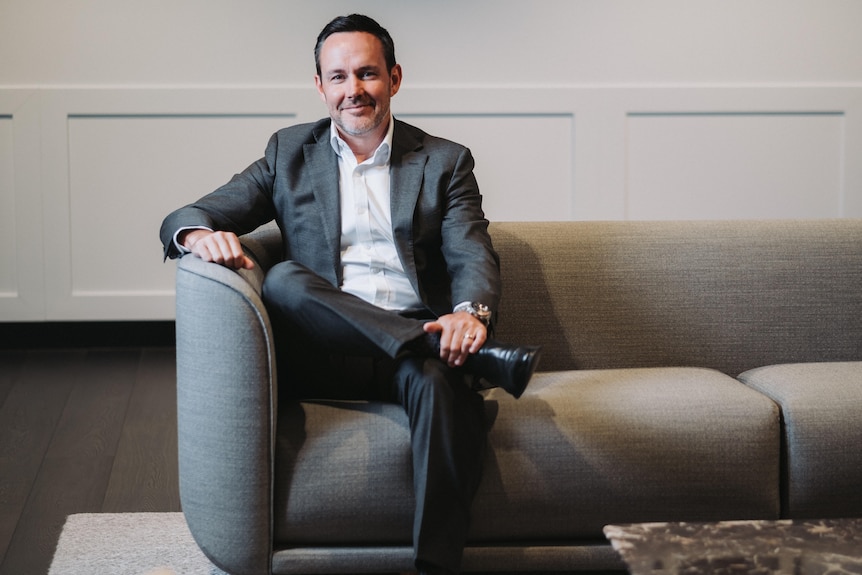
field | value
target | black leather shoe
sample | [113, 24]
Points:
[507, 366]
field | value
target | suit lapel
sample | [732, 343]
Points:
[408, 170]
[322, 165]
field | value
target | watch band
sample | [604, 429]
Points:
[477, 310]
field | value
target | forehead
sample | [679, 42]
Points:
[353, 48]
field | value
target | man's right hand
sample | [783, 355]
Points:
[222, 248]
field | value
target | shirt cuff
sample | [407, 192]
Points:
[181, 248]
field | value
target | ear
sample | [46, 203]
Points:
[395, 80]
[319, 83]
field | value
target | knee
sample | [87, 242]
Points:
[282, 286]
[425, 379]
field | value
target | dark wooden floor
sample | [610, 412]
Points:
[81, 431]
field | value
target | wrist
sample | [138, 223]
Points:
[478, 310]
[188, 238]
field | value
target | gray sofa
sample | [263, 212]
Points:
[692, 371]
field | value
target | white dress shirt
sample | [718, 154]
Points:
[371, 268]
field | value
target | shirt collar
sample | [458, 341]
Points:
[381, 154]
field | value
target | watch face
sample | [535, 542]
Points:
[477, 310]
[482, 311]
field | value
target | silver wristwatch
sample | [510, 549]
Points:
[478, 310]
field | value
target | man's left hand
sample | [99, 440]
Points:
[461, 334]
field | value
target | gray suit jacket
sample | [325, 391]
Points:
[439, 225]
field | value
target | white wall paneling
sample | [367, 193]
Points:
[21, 263]
[113, 113]
[8, 226]
[661, 152]
[86, 175]
[116, 162]
[733, 166]
[738, 153]
[525, 161]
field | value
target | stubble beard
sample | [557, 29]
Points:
[360, 126]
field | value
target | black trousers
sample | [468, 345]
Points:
[333, 345]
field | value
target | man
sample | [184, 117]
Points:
[383, 232]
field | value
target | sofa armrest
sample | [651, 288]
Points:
[226, 402]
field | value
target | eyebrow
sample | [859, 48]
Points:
[361, 69]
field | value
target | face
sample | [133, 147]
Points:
[355, 84]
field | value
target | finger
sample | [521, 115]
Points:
[222, 249]
[248, 263]
[237, 255]
[432, 327]
[230, 252]
[447, 348]
[471, 343]
[201, 249]
[467, 342]
[459, 356]
[479, 341]
[219, 248]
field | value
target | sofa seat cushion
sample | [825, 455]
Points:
[821, 407]
[580, 449]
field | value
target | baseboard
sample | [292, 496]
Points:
[37, 335]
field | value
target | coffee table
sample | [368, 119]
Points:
[793, 547]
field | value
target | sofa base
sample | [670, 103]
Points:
[514, 558]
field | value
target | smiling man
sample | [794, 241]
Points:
[357, 84]
[389, 285]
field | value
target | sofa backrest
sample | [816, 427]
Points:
[730, 295]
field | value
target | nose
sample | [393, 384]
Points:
[354, 87]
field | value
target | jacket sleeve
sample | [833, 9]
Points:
[240, 206]
[471, 261]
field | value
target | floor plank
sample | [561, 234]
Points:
[65, 485]
[145, 476]
[78, 461]
[93, 419]
[28, 417]
[10, 371]
[81, 431]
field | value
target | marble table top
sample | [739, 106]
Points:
[797, 547]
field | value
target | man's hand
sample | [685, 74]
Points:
[222, 248]
[461, 334]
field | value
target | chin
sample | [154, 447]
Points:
[358, 128]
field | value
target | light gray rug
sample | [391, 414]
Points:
[129, 544]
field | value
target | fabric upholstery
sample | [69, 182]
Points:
[225, 398]
[821, 407]
[578, 450]
[725, 295]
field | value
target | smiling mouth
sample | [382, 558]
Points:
[356, 106]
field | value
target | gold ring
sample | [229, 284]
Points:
[469, 336]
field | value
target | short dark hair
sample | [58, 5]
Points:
[357, 23]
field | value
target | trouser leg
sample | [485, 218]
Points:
[448, 436]
[321, 330]
[332, 319]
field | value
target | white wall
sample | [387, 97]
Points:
[113, 112]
